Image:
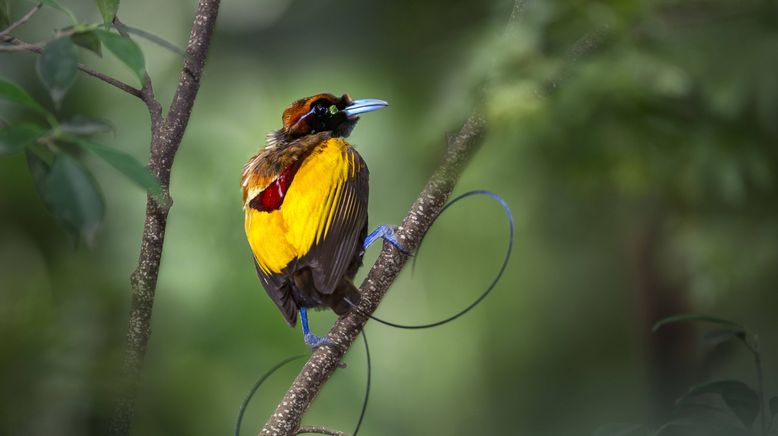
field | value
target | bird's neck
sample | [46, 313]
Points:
[281, 151]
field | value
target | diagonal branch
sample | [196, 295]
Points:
[167, 134]
[323, 362]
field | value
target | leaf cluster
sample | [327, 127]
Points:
[52, 146]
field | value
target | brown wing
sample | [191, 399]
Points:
[278, 289]
[329, 259]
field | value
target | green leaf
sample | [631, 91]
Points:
[55, 5]
[155, 39]
[693, 317]
[89, 41]
[13, 93]
[617, 429]
[126, 50]
[740, 398]
[14, 138]
[108, 10]
[5, 15]
[80, 125]
[124, 163]
[773, 406]
[57, 67]
[72, 196]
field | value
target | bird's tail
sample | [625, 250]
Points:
[345, 290]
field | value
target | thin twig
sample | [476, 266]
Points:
[319, 430]
[153, 105]
[19, 45]
[21, 20]
[167, 134]
[147, 91]
[96, 74]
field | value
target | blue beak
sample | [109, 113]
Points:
[362, 106]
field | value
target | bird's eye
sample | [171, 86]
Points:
[320, 109]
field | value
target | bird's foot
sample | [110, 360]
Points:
[389, 234]
[313, 342]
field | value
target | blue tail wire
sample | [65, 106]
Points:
[265, 376]
[367, 387]
[484, 294]
[256, 386]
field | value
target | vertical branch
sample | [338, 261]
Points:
[166, 138]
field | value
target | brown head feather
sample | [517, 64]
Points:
[293, 120]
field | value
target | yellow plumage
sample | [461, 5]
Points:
[307, 211]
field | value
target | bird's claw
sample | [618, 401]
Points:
[389, 234]
[313, 342]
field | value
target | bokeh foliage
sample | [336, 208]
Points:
[642, 175]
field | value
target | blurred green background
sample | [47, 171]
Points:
[642, 175]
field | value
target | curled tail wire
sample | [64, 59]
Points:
[462, 312]
[278, 366]
[367, 388]
[256, 386]
[484, 294]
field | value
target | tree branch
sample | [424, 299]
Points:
[147, 91]
[167, 134]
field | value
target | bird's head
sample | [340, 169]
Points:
[326, 113]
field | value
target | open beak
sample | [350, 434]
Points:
[362, 106]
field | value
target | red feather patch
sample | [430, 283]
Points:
[272, 197]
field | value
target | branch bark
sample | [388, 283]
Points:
[167, 134]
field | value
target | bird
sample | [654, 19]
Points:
[305, 197]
